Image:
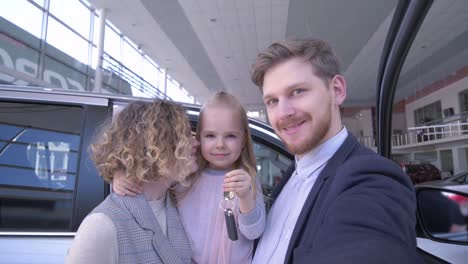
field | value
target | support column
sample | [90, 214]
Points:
[100, 51]
[459, 160]
[165, 83]
[43, 43]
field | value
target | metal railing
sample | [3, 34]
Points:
[423, 134]
[368, 141]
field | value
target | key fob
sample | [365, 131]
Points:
[228, 195]
[230, 224]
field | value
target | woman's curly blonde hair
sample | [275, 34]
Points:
[147, 140]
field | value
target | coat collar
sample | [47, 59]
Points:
[171, 248]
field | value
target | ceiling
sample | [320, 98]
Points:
[209, 45]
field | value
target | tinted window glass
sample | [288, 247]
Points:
[8, 131]
[271, 166]
[39, 147]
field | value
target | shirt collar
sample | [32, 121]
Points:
[317, 157]
[215, 172]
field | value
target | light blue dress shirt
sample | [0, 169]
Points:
[286, 209]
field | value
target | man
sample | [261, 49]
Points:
[340, 202]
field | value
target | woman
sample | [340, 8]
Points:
[149, 143]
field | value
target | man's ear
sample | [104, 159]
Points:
[338, 84]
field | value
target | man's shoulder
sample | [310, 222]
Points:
[362, 163]
[365, 158]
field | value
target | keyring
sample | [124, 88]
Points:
[224, 204]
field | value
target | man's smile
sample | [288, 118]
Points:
[292, 128]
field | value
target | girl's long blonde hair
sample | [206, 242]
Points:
[147, 140]
[246, 159]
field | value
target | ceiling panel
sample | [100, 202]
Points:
[210, 45]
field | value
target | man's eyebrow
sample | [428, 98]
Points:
[289, 87]
[295, 85]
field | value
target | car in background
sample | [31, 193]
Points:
[456, 182]
[459, 178]
[422, 172]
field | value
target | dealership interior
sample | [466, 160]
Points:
[185, 51]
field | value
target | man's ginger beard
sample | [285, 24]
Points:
[318, 132]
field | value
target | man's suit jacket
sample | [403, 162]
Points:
[361, 209]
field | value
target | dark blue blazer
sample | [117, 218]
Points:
[361, 209]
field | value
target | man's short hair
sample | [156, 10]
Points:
[319, 53]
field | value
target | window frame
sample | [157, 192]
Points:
[407, 19]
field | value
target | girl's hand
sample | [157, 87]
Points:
[238, 181]
[123, 186]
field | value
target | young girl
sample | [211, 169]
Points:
[150, 143]
[226, 164]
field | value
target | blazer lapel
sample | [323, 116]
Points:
[144, 216]
[176, 232]
[329, 171]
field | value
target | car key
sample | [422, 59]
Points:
[230, 224]
[229, 216]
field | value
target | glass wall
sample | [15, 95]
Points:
[53, 43]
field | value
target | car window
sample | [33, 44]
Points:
[38, 165]
[271, 166]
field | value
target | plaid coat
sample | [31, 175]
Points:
[140, 238]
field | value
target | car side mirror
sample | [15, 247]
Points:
[443, 214]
